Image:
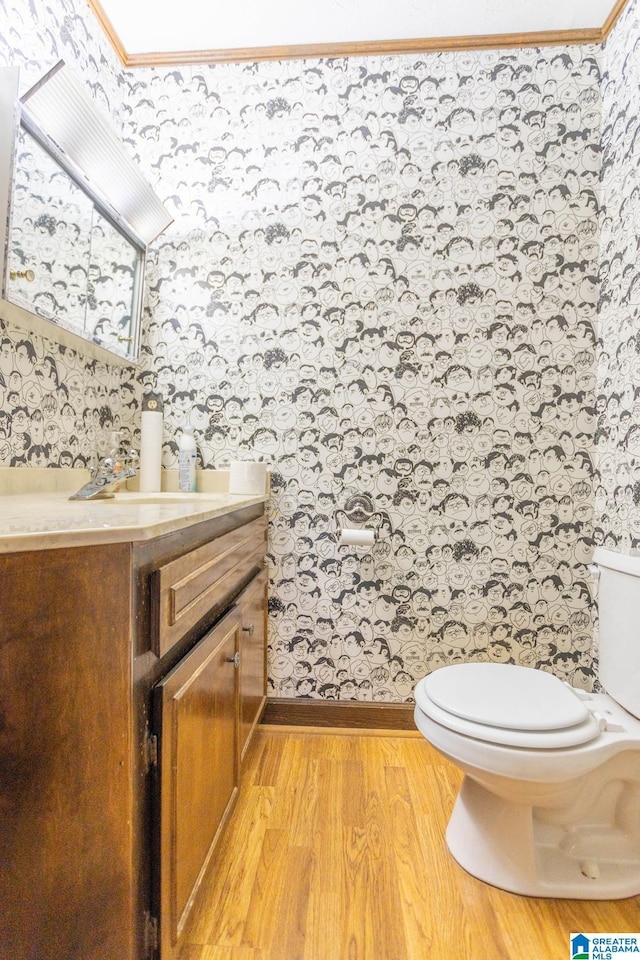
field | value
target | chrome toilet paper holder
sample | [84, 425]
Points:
[358, 511]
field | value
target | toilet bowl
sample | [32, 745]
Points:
[550, 801]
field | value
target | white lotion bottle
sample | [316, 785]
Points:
[187, 460]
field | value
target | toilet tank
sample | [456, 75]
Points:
[619, 616]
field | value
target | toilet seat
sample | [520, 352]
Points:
[507, 704]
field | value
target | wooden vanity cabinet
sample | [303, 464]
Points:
[79, 661]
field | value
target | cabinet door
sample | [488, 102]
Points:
[197, 724]
[252, 603]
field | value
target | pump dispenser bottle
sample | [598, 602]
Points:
[187, 459]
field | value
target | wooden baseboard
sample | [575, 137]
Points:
[353, 714]
[288, 730]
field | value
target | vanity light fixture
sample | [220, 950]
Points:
[58, 111]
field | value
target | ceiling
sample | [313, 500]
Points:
[163, 31]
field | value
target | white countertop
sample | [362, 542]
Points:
[45, 521]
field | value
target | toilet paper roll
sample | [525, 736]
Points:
[247, 476]
[357, 538]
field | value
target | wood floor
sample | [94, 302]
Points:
[336, 851]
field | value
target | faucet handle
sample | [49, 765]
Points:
[120, 450]
[119, 465]
[121, 462]
[126, 463]
[128, 455]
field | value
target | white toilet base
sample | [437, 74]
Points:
[507, 845]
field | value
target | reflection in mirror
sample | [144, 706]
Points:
[49, 238]
[66, 261]
[80, 213]
[115, 269]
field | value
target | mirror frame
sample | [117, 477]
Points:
[106, 175]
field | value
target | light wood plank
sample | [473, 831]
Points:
[325, 825]
[290, 928]
[222, 953]
[413, 869]
[261, 919]
[337, 851]
[227, 887]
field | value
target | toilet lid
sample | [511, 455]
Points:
[574, 736]
[505, 696]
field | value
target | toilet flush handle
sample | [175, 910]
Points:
[600, 719]
[594, 571]
[607, 722]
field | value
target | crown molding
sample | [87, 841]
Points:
[613, 18]
[545, 38]
[109, 30]
[370, 48]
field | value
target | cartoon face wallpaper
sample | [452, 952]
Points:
[409, 276]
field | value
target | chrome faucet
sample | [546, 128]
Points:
[118, 466]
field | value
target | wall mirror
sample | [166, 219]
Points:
[80, 216]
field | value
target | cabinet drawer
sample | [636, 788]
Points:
[202, 581]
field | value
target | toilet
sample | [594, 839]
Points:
[550, 801]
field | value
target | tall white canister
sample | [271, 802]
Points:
[151, 443]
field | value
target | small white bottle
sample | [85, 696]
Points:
[187, 459]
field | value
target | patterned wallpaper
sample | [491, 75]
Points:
[386, 283]
[382, 278]
[617, 439]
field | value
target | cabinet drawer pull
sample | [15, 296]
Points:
[235, 659]
[249, 629]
